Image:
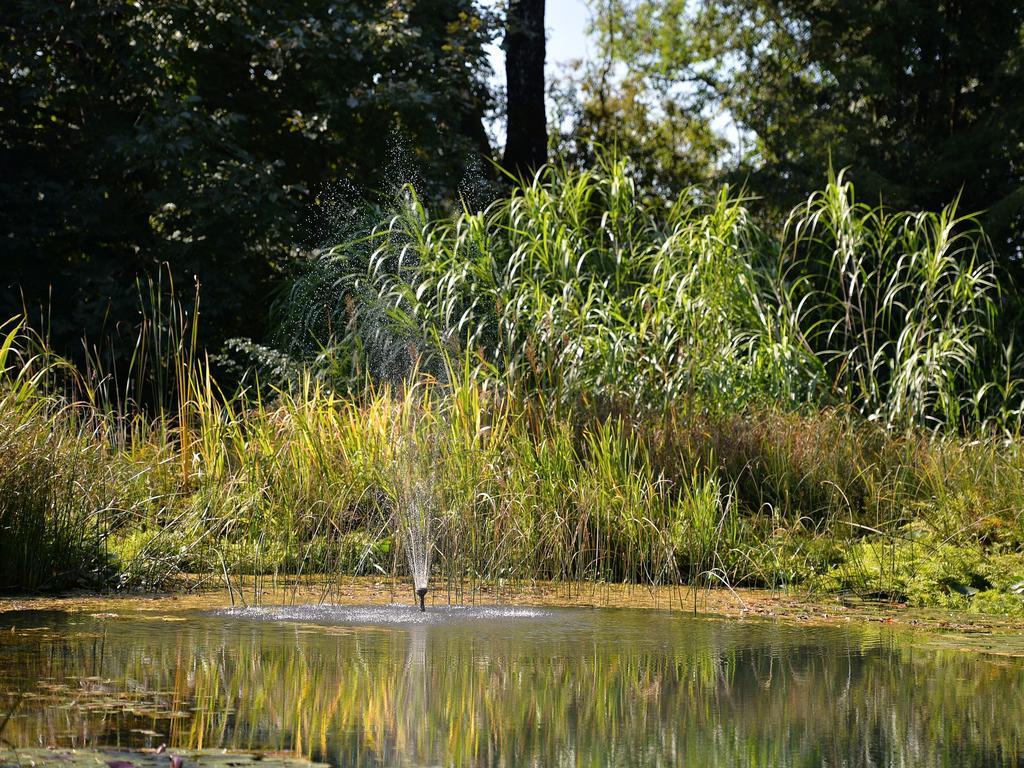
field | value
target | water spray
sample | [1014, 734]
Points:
[414, 509]
[415, 499]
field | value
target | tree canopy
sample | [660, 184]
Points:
[202, 135]
[198, 133]
[922, 99]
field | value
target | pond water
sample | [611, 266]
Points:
[505, 687]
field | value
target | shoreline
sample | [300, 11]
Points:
[973, 631]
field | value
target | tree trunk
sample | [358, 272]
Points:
[526, 144]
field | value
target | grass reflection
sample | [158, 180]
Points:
[583, 688]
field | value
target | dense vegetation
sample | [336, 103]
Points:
[201, 135]
[576, 287]
[921, 99]
[681, 352]
[224, 139]
[594, 387]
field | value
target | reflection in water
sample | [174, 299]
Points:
[369, 615]
[560, 687]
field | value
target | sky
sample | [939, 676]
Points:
[566, 25]
[567, 35]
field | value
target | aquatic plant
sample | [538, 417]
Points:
[601, 388]
[579, 287]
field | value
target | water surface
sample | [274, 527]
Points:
[506, 687]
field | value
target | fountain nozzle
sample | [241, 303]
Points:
[421, 593]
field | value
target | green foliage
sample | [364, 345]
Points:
[54, 478]
[305, 484]
[586, 385]
[668, 138]
[572, 286]
[897, 306]
[921, 99]
[922, 571]
[201, 134]
[577, 286]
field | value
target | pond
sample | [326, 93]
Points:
[505, 687]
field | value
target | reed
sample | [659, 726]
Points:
[598, 388]
[578, 287]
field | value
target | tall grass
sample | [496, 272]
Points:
[596, 388]
[56, 498]
[572, 287]
[306, 483]
[578, 287]
[896, 306]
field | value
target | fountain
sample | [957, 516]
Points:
[414, 500]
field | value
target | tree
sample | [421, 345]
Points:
[199, 134]
[526, 144]
[923, 99]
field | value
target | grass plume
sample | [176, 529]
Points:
[599, 388]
